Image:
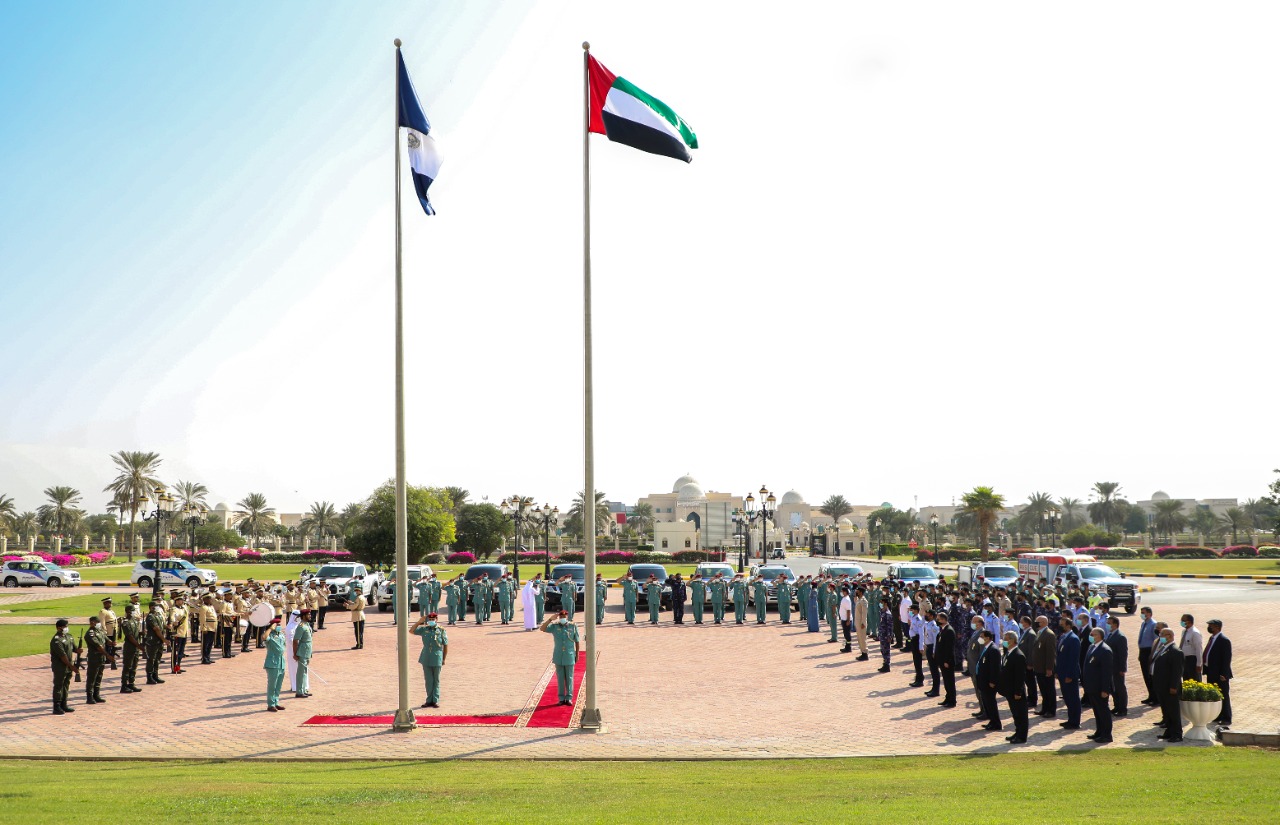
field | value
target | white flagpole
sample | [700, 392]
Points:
[405, 720]
[590, 713]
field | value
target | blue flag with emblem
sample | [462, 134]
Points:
[424, 156]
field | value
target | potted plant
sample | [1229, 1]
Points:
[1201, 703]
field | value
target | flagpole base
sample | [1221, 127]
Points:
[591, 720]
[404, 722]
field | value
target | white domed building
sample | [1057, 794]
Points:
[709, 513]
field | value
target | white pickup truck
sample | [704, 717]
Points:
[338, 576]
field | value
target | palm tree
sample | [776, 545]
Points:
[578, 510]
[1106, 510]
[322, 520]
[191, 495]
[836, 507]
[1203, 521]
[1070, 508]
[984, 505]
[459, 496]
[26, 524]
[1262, 513]
[1034, 512]
[1170, 518]
[135, 481]
[254, 517]
[7, 510]
[1235, 519]
[346, 518]
[56, 515]
[641, 518]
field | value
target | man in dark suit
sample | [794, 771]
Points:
[1097, 680]
[1067, 669]
[1013, 684]
[989, 680]
[1217, 668]
[1146, 640]
[1166, 681]
[945, 655]
[1120, 665]
[1027, 644]
[1042, 660]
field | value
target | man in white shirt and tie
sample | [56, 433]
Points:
[846, 619]
[1191, 644]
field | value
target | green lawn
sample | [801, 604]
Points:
[24, 640]
[226, 572]
[1126, 786]
[1228, 567]
[82, 605]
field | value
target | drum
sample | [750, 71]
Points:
[261, 615]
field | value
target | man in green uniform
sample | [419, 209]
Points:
[435, 649]
[451, 601]
[477, 598]
[506, 602]
[302, 653]
[274, 665]
[154, 628]
[96, 641]
[539, 597]
[739, 590]
[602, 593]
[719, 589]
[630, 592]
[61, 650]
[760, 594]
[433, 595]
[653, 594]
[131, 629]
[821, 584]
[565, 654]
[832, 615]
[783, 589]
[464, 595]
[568, 595]
[873, 612]
[424, 596]
[803, 589]
[698, 592]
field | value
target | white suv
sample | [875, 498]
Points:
[29, 573]
[173, 573]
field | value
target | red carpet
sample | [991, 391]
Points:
[549, 714]
[386, 721]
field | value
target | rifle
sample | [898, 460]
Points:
[79, 655]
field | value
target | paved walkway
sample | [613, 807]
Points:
[665, 692]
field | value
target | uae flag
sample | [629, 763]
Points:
[624, 113]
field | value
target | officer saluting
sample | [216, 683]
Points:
[739, 590]
[698, 592]
[630, 592]
[435, 649]
[565, 654]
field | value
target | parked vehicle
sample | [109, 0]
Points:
[37, 573]
[994, 573]
[839, 568]
[579, 573]
[771, 573]
[641, 573]
[495, 572]
[916, 572]
[415, 572]
[173, 573]
[339, 575]
[708, 570]
[1082, 571]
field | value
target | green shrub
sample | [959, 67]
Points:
[1115, 553]
[1196, 691]
[434, 558]
[1089, 536]
[1269, 551]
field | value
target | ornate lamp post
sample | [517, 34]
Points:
[763, 515]
[546, 515]
[194, 516]
[164, 509]
[514, 509]
[933, 522]
[739, 521]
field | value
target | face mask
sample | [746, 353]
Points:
[431, 624]
[1184, 624]
[564, 621]
[973, 625]
[1004, 643]
[1079, 622]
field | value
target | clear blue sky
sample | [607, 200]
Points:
[922, 247]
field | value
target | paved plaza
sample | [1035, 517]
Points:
[666, 692]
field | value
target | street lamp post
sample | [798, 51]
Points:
[766, 512]
[194, 516]
[546, 515]
[738, 521]
[514, 508]
[1151, 526]
[933, 522]
[164, 509]
[1053, 527]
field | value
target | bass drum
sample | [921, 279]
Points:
[261, 615]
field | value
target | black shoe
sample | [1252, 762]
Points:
[426, 704]
[67, 709]
[916, 684]
[99, 700]
[862, 658]
[1106, 741]
[1120, 713]
[151, 681]
[1172, 739]
[1092, 736]
[58, 711]
[1017, 740]
[846, 650]
[992, 727]
[433, 705]
[933, 694]
[271, 708]
[1068, 726]
[946, 704]
[884, 669]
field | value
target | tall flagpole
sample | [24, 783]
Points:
[405, 720]
[590, 713]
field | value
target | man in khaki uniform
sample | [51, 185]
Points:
[207, 617]
[357, 619]
[228, 620]
[242, 607]
[313, 603]
[110, 628]
[178, 626]
[860, 623]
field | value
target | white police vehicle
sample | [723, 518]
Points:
[338, 575]
[771, 573]
[36, 572]
[173, 573]
[416, 573]
[708, 570]
[917, 573]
